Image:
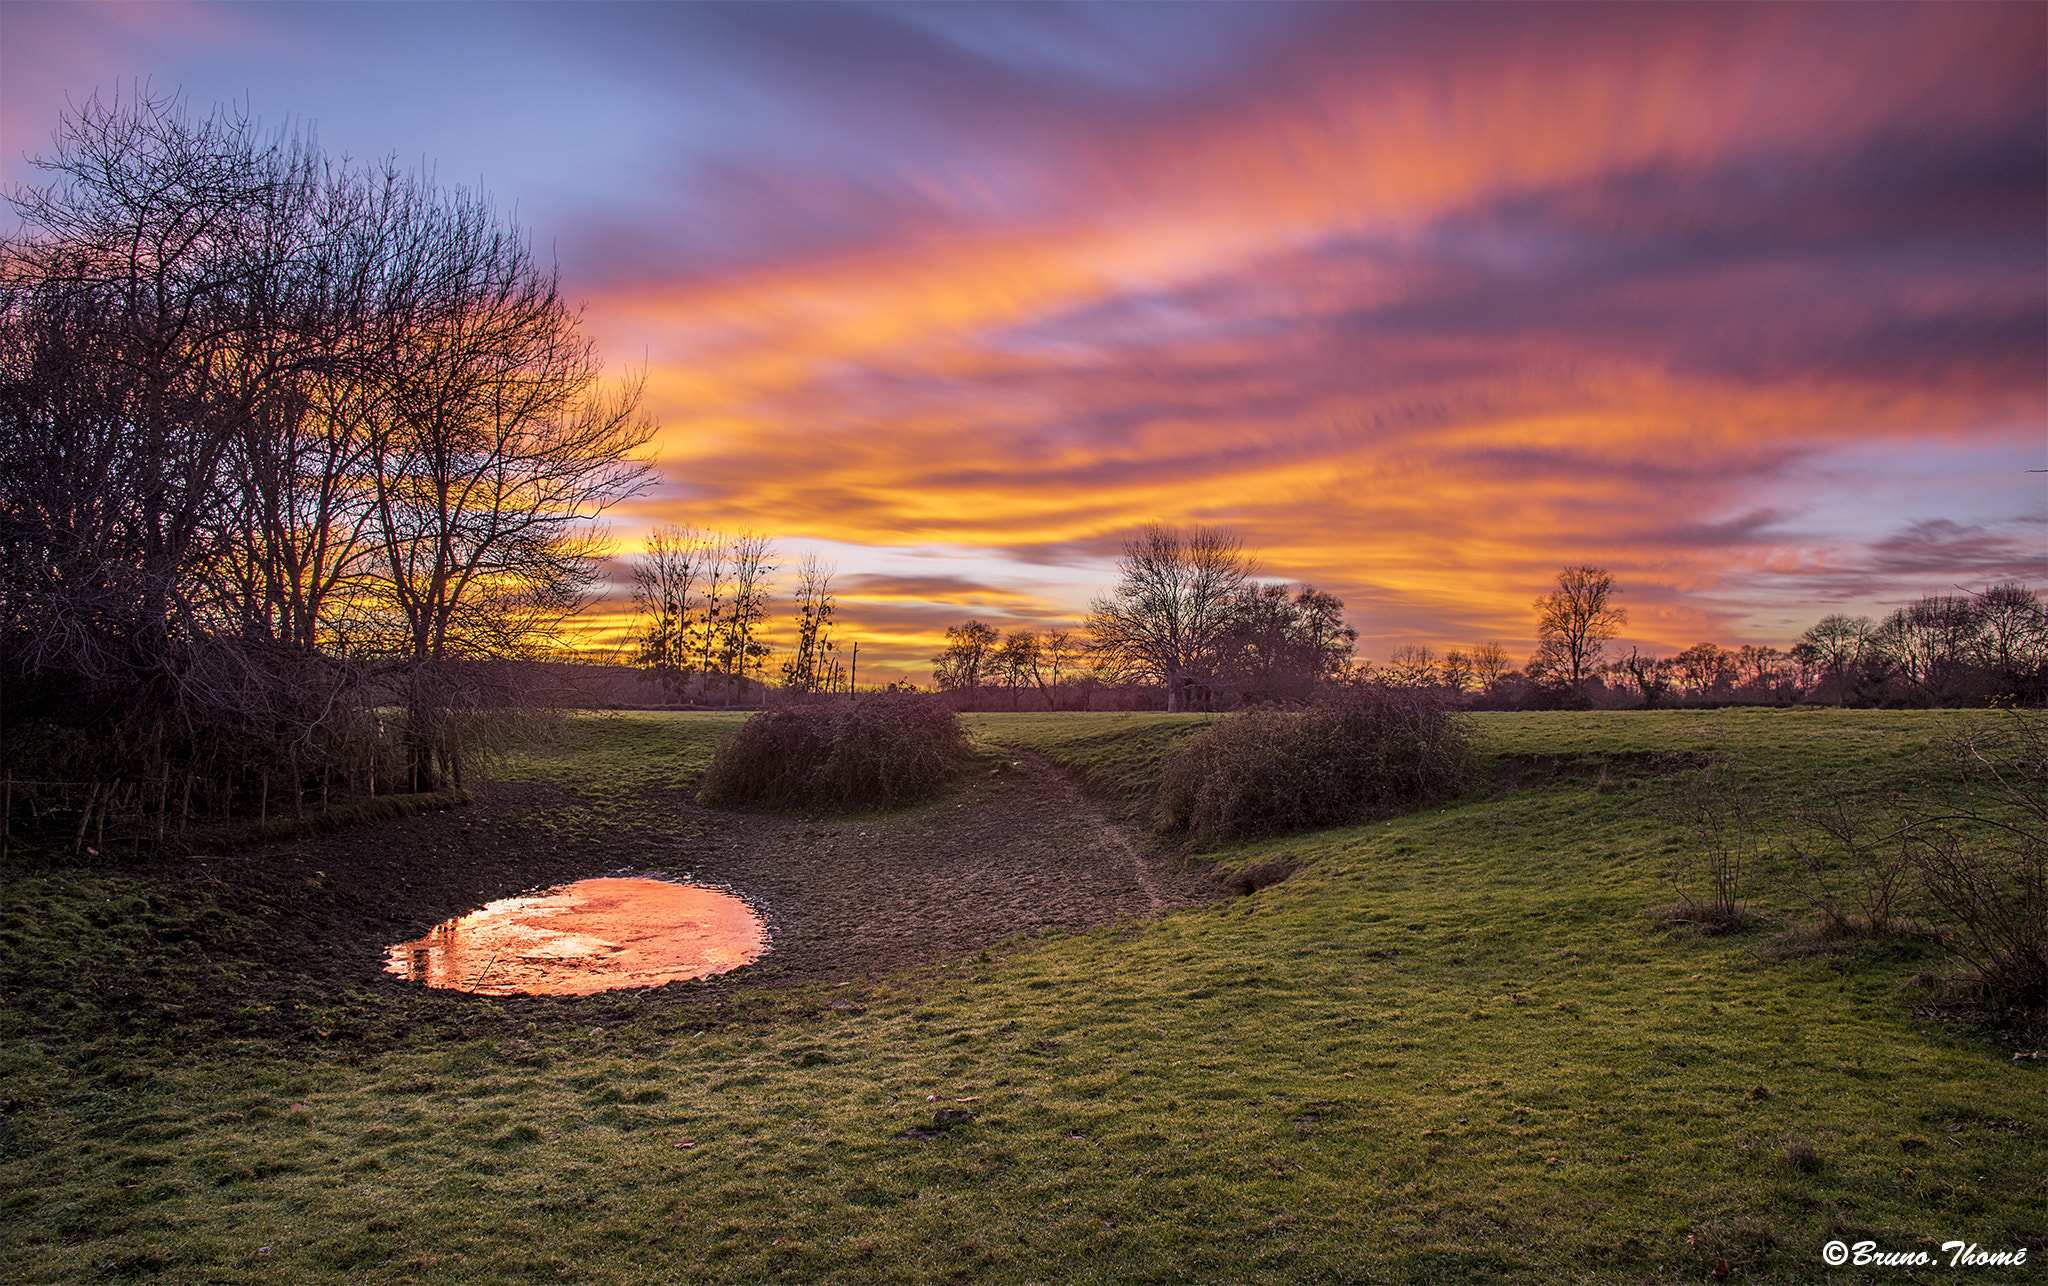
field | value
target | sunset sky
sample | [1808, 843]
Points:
[1745, 303]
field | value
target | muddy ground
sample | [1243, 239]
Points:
[1013, 854]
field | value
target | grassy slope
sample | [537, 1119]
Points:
[1449, 1049]
[1116, 757]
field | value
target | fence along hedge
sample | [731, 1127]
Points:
[876, 752]
[1364, 753]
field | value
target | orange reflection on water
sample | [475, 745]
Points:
[593, 935]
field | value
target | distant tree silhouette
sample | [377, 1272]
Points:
[666, 580]
[1280, 645]
[1171, 610]
[1839, 644]
[812, 668]
[1489, 664]
[1415, 665]
[1018, 660]
[1574, 623]
[1063, 657]
[966, 659]
[740, 610]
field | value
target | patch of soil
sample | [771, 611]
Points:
[846, 899]
[1260, 875]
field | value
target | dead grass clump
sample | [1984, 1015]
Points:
[878, 751]
[1259, 875]
[1370, 752]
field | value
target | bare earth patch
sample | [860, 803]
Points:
[1014, 853]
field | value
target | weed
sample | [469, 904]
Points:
[1857, 866]
[1712, 873]
[1801, 1156]
[1259, 875]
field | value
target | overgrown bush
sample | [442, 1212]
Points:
[875, 752]
[1366, 752]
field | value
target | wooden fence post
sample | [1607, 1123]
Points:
[85, 818]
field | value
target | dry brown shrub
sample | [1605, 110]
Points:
[1366, 752]
[1259, 875]
[879, 751]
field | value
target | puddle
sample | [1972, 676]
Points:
[593, 935]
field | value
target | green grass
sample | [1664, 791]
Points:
[1117, 757]
[621, 753]
[1450, 1049]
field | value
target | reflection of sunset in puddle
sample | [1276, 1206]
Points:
[593, 935]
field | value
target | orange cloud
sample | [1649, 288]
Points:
[1422, 335]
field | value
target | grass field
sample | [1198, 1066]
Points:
[1450, 1048]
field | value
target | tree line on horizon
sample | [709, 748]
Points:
[1188, 621]
[1189, 627]
[1989, 647]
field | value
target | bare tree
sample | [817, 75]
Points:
[1706, 668]
[1930, 642]
[1171, 609]
[1575, 621]
[812, 667]
[967, 656]
[498, 445]
[665, 590]
[742, 610]
[2013, 628]
[1415, 665]
[2012, 642]
[1457, 670]
[1489, 663]
[262, 411]
[144, 320]
[1019, 659]
[1758, 666]
[1650, 675]
[1063, 656]
[1839, 644]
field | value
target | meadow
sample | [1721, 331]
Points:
[1452, 1047]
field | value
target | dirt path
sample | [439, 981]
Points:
[1014, 852]
[1115, 842]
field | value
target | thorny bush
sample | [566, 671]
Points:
[1362, 753]
[877, 751]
